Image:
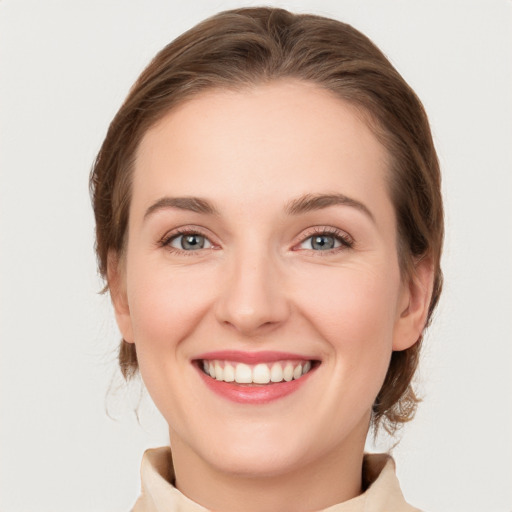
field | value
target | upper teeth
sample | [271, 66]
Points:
[261, 373]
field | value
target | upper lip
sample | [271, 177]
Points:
[264, 356]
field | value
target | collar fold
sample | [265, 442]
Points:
[158, 494]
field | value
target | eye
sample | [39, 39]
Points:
[326, 241]
[320, 243]
[189, 242]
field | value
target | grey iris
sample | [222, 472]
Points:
[192, 242]
[322, 242]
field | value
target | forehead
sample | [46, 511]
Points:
[261, 143]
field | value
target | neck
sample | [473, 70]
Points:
[334, 478]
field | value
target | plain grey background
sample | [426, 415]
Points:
[65, 67]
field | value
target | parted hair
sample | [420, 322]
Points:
[250, 46]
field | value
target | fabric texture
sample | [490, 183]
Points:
[383, 492]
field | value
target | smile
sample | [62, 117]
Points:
[261, 373]
[254, 377]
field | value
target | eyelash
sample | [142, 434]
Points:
[165, 241]
[346, 241]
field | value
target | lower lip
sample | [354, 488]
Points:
[256, 394]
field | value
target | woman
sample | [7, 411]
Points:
[269, 224]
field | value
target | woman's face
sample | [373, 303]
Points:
[262, 248]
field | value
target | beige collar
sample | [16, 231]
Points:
[158, 495]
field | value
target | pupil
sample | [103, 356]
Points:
[323, 243]
[192, 242]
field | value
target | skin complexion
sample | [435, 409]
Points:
[261, 286]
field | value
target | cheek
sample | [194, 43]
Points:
[166, 304]
[353, 299]
[355, 312]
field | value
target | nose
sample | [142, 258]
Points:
[253, 299]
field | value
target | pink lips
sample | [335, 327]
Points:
[251, 393]
[251, 357]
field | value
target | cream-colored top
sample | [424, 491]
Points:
[159, 495]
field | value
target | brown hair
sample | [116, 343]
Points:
[244, 47]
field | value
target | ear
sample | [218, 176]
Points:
[117, 287]
[414, 304]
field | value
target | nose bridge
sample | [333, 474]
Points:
[253, 298]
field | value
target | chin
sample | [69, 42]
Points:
[252, 460]
[262, 450]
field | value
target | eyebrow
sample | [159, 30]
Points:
[311, 202]
[303, 204]
[192, 204]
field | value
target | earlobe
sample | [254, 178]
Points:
[414, 304]
[118, 295]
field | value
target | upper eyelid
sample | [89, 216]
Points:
[327, 230]
[187, 230]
